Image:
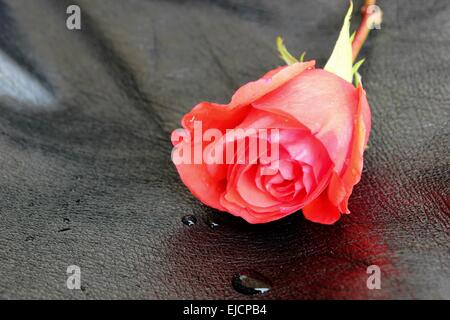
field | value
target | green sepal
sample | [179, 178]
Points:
[302, 57]
[284, 53]
[356, 66]
[355, 73]
[340, 61]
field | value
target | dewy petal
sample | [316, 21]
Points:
[323, 102]
[341, 186]
[259, 119]
[271, 73]
[228, 116]
[256, 89]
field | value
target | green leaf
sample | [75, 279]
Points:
[284, 53]
[302, 57]
[340, 62]
[357, 65]
[355, 73]
[352, 37]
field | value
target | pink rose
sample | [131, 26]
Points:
[323, 125]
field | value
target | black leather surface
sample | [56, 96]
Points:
[85, 170]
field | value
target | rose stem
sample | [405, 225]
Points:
[363, 29]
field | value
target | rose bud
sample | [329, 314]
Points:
[321, 123]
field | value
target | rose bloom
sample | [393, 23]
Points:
[323, 123]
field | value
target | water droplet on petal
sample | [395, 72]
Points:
[189, 220]
[250, 282]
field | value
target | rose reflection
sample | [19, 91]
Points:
[303, 260]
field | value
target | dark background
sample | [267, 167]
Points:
[85, 170]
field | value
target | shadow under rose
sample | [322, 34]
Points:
[302, 260]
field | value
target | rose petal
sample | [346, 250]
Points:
[341, 186]
[201, 184]
[321, 101]
[321, 210]
[271, 81]
[250, 193]
[222, 116]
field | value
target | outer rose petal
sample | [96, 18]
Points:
[202, 185]
[366, 114]
[341, 186]
[326, 209]
[322, 210]
[229, 116]
[250, 216]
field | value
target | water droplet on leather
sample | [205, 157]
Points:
[212, 224]
[189, 220]
[250, 282]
